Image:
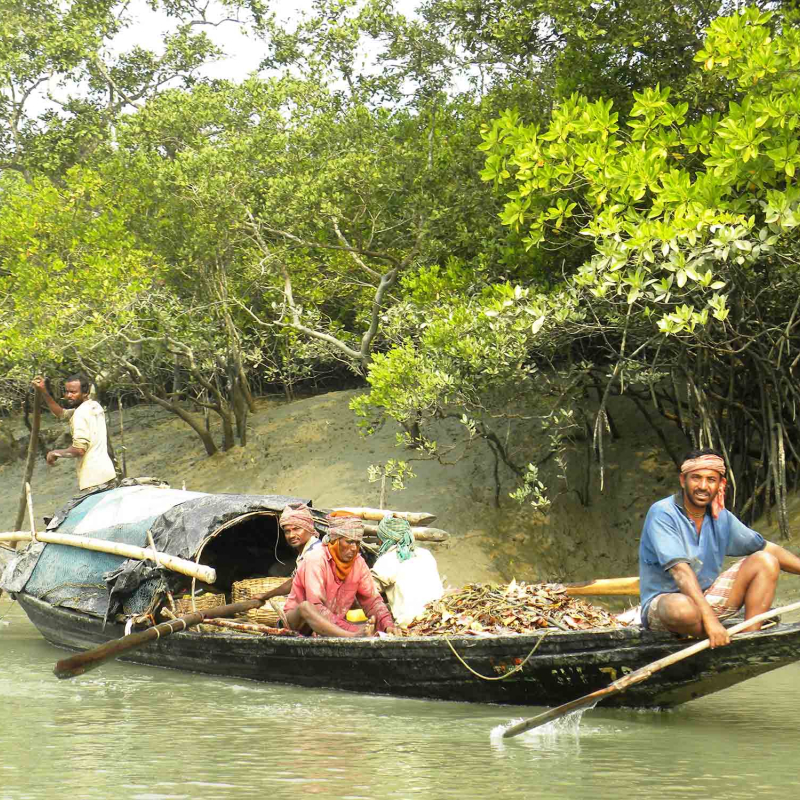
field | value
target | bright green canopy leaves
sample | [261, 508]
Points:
[339, 215]
[71, 271]
[671, 204]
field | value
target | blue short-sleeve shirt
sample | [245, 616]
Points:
[669, 537]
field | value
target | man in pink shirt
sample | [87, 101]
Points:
[329, 579]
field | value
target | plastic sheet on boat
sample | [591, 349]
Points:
[103, 584]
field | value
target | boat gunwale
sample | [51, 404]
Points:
[606, 638]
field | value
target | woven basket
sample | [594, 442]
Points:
[244, 590]
[183, 605]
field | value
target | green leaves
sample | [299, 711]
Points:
[675, 223]
[71, 270]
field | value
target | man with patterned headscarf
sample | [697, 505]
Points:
[298, 530]
[330, 579]
[685, 540]
[407, 574]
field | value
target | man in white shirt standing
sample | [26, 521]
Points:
[407, 574]
[87, 425]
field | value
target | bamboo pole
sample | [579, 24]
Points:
[29, 502]
[420, 534]
[250, 627]
[181, 565]
[31, 457]
[377, 514]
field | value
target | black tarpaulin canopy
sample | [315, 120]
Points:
[236, 534]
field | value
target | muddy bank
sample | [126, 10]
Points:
[312, 448]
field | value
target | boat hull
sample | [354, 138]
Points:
[558, 667]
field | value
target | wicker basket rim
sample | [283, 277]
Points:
[258, 583]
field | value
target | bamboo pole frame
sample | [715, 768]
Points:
[377, 514]
[173, 563]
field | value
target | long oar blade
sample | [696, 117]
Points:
[639, 675]
[90, 659]
[556, 713]
[604, 587]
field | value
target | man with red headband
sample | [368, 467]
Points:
[685, 540]
[330, 579]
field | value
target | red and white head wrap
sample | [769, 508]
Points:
[345, 525]
[297, 515]
[709, 461]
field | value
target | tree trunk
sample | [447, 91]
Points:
[31, 459]
[122, 439]
[240, 410]
[195, 424]
[228, 439]
[176, 376]
[223, 408]
[244, 385]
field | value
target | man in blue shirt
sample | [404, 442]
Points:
[685, 539]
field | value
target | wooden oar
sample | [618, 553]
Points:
[30, 459]
[88, 660]
[637, 676]
[604, 586]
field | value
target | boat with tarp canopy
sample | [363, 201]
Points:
[232, 533]
[80, 599]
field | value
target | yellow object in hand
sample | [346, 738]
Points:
[356, 615]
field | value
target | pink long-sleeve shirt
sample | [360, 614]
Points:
[316, 582]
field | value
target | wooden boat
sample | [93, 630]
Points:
[564, 666]
[556, 667]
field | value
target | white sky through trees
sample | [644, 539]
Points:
[243, 52]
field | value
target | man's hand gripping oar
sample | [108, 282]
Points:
[637, 676]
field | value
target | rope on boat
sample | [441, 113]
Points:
[171, 629]
[517, 668]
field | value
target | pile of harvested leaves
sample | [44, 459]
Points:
[482, 609]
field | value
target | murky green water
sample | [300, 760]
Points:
[134, 732]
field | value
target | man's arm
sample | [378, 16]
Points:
[67, 452]
[371, 601]
[789, 561]
[375, 607]
[688, 586]
[40, 386]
